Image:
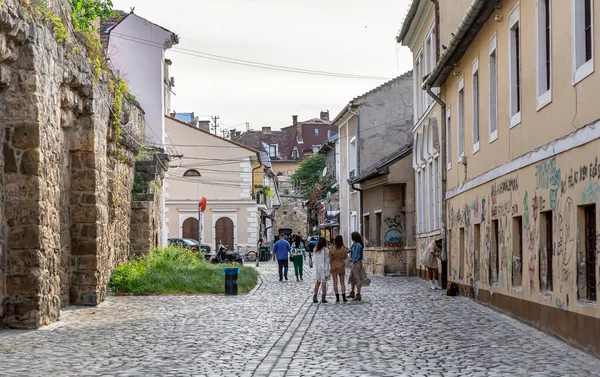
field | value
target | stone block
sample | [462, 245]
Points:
[26, 135]
[10, 163]
[19, 187]
[87, 263]
[28, 213]
[88, 199]
[83, 180]
[23, 284]
[23, 261]
[84, 278]
[82, 141]
[26, 237]
[84, 214]
[89, 231]
[88, 159]
[30, 162]
[84, 247]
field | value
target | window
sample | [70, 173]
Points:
[273, 150]
[475, 71]
[352, 164]
[514, 67]
[476, 250]
[419, 195]
[586, 269]
[418, 76]
[543, 38]
[583, 38]
[315, 148]
[431, 192]
[424, 199]
[436, 185]
[461, 118]
[448, 139]
[430, 57]
[366, 228]
[316, 131]
[461, 246]
[545, 257]
[295, 154]
[494, 261]
[517, 256]
[192, 173]
[493, 89]
[353, 222]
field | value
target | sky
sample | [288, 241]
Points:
[343, 36]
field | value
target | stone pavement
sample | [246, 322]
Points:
[401, 328]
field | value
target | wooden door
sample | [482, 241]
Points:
[224, 232]
[190, 228]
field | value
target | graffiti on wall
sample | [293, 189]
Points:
[394, 236]
[566, 239]
[591, 192]
[394, 222]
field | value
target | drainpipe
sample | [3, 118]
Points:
[444, 174]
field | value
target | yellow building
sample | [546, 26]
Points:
[517, 93]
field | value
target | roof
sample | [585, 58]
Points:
[208, 133]
[112, 22]
[255, 139]
[477, 15]
[412, 11]
[381, 167]
[404, 76]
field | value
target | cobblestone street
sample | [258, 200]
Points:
[400, 328]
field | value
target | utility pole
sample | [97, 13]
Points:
[215, 126]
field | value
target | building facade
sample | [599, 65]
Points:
[373, 130]
[518, 87]
[226, 173]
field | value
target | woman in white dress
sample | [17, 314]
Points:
[429, 259]
[322, 271]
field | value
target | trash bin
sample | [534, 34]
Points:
[231, 281]
[264, 253]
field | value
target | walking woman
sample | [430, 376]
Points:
[298, 257]
[338, 255]
[322, 271]
[429, 259]
[358, 275]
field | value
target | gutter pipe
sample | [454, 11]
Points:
[444, 178]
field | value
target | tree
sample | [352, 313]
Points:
[309, 174]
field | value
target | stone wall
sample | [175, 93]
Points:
[65, 192]
[290, 214]
[146, 208]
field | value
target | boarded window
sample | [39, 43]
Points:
[494, 261]
[517, 256]
[586, 271]
[476, 250]
[545, 257]
[461, 246]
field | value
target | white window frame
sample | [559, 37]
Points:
[543, 97]
[461, 119]
[431, 195]
[448, 139]
[418, 179]
[430, 61]
[352, 165]
[493, 100]
[475, 105]
[276, 150]
[580, 70]
[316, 131]
[418, 76]
[513, 19]
[437, 211]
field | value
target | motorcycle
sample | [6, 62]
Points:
[225, 255]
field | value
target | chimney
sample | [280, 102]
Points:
[238, 133]
[325, 115]
[266, 130]
[204, 125]
[299, 138]
[231, 133]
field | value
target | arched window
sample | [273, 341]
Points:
[432, 136]
[192, 173]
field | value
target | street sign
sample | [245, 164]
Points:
[202, 204]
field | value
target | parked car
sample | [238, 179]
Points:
[188, 243]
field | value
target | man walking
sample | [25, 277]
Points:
[281, 251]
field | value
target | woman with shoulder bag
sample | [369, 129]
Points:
[322, 271]
[358, 275]
[297, 256]
[338, 254]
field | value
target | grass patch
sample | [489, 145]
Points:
[173, 270]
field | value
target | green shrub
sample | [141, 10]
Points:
[174, 270]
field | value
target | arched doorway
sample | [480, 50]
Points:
[190, 228]
[224, 232]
